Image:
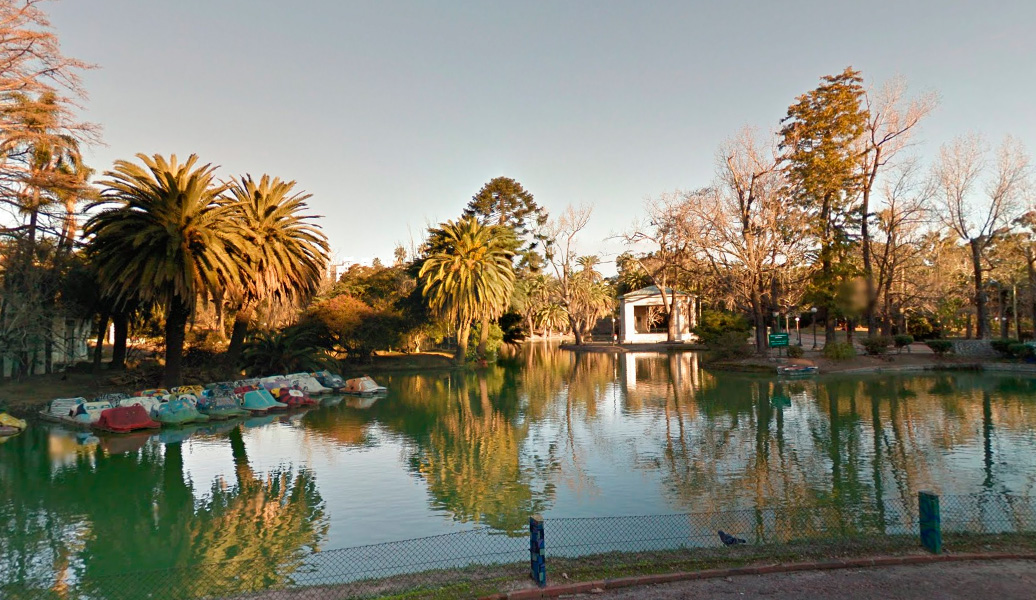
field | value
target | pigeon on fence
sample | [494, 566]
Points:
[729, 540]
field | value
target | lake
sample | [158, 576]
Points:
[548, 431]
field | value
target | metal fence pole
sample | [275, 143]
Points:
[537, 553]
[931, 521]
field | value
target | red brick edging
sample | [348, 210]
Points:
[850, 563]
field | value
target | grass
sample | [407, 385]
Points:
[477, 581]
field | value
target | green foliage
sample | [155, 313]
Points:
[377, 286]
[796, 352]
[468, 273]
[839, 351]
[355, 327]
[877, 345]
[513, 326]
[731, 344]
[493, 342]
[902, 341]
[924, 327]
[819, 143]
[290, 350]
[1003, 346]
[715, 323]
[503, 201]
[286, 255]
[1020, 350]
[940, 347]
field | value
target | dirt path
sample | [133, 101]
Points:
[1000, 579]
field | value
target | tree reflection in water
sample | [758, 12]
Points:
[138, 511]
[547, 431]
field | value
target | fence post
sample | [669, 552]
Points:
[537, 554]
[931, 521]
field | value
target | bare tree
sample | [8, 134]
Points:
[746, 230]
[979, 203]
[891, 120]
[899, 243]
[561, 253]
[665, 234]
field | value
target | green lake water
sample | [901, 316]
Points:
[547, 432]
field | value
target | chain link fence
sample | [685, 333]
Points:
[483, 561]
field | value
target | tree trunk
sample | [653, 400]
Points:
[865, 242]
[1031, 267]
[121, 322]
[759, 318]
[462, 343]
[102, 329]
[483, 336]
[575, 330]
[237, 336]
[982, 329]
[175, 332]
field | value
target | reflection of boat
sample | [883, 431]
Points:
[259, 421]
[362, 402]
[331, 400]
[121, 444]
[175, 435]
[364, 386]
[797, 370]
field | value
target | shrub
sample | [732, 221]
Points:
[839, 351]
[903, 341]
[795, 352]
[292, 349]
[940, 347]
[1003, 346]
[924, 327]
[877, 345]
[715, 323]
[730, 345]
[493, 342]
[1022, 350]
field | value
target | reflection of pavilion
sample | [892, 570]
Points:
[679, 368]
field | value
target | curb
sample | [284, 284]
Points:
[852, 563]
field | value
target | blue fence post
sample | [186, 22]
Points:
[931, 521]
[537, 554]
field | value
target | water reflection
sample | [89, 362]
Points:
[547, 431]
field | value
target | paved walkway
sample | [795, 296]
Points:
[999, 579]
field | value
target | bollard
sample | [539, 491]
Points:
[537, 554]
[931, 521]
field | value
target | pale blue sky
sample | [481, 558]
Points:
[393, 114]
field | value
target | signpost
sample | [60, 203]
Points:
[778, 340]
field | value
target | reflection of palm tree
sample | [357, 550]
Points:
[264, 526]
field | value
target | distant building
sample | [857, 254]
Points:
[642, 316]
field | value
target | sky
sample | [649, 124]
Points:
[393, 114]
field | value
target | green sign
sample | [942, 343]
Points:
[778, 339]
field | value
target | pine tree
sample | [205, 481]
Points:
[820, 141]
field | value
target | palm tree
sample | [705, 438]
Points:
[468, 274]
[290, 254]
[164, 236]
